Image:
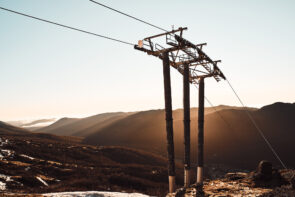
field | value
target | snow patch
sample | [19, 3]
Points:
[3, 142]
[26, 156]
[2, 186]
[42, 181]
[6, 178]
[6, 153]
[94, 194]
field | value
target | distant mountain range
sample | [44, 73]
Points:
[86, 126]
[235, 142]
[230, 136]
[83, 126]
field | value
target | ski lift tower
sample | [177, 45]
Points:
[195, 65]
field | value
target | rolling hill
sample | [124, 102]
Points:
[87, 169]
[238, 145]
[65, 165]
[235, 142]
[9, 129]
[86, 126]
[82, 127]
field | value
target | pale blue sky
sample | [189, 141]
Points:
[49, 71]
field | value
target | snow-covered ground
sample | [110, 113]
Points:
[94, 194]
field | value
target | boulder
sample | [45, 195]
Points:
[264, 169]
[266, 176]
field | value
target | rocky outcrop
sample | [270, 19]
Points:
[265, 181]
[266, 176]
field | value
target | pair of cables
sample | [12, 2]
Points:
[129, 43]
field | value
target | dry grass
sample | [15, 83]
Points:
[69, 166]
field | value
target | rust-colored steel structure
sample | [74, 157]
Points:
[169, 122]
[195, 65]
[186, 125]
[200, 158]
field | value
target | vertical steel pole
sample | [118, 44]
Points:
[169, 122]
[201, 134]
[186, 123]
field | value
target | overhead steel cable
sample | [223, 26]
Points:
[68, 27]
[125, 14]
[118, 11]
[256, 126]
[113, 9]
[128, 43]
[249, 115]
[251, 118]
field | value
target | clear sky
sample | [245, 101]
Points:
[49, 71]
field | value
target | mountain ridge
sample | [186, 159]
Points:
[229, 133]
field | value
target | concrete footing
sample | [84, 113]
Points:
[200, 175]
[172, 186]
[187, 178]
